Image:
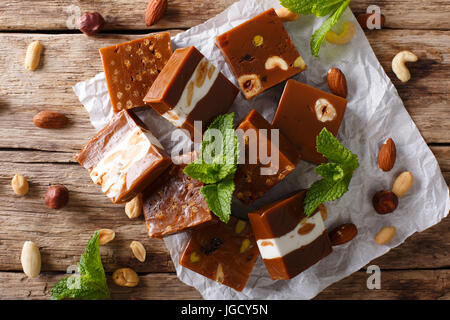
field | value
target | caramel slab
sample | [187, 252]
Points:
[260, 53]
[251, 184]
[174, 203]
[189, 89]
[123, 158]
[289, 242]
[303, 112]
[132, 67]
[225, 253]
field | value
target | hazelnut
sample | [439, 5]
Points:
[250, 85]
[57, 196]
[91, 22]
[325, 110]
[274, 62]
[384, 202]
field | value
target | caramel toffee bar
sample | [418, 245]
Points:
[260, 53]
[225, 253]
[288, 241]
[174, 203]
[131, 67]
[190, 88]
[250, 183]
[303, 112]
[123, 158]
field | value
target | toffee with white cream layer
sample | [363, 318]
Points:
[289, 242]
[190, 89]
[123, 158]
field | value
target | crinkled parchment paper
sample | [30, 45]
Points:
[374, 112]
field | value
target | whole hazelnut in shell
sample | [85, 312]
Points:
[384, 201]
[56, 196]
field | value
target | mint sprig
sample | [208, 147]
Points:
[217, 165]
[320, 8]
[336, 175]
[90, 283]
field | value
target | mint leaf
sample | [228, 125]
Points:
[90, 284]
[336, 175]
[217, 165]
[322, 191]
[319, 34]
[299, 6]
[322, 8]
[219, 196]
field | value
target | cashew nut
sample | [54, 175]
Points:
[276, 61]
[399, 67]
[344, 37]
[286, 15]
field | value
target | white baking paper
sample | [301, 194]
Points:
[374, 113]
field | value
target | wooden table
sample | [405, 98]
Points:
[418, 269]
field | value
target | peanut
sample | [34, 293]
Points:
[31, 259]
[133, 208]
[138, 250]
[125, 277]
[385, 235]
[33, 55]
[20, 185]
[105, 236]
[403, 183]
[286, 15]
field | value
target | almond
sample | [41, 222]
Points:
[337, 82]
[50, 120]
[343, 234]
[387, 155]
[385, 235]
[155, 11]
[31, 259]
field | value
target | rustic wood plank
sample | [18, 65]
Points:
[416, 284]
[126, 15]
[24, 93]
[63, 234]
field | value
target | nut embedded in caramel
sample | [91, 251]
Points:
[325, 110]
[250, 85]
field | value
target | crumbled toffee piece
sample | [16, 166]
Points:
[250, 183]
[303, 112]
[132, 67]
[123, 158]
[260, 53]
[288, 241]
[231, 262]
[190, 89]
[174, 203]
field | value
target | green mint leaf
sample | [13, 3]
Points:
[330, 171]
[319, 34]
[219, 196]
[218, 157]
[299, 6]
[91, 283]
[322, 8]
[322, 191]
[336, 175]
[330, 147]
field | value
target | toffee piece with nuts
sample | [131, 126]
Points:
[132, 67]
[174, 203]
[289, 242]
[303, 112]
[260, 53]
[251, 184]
[189, 89]
[124, 157]
[225, 253]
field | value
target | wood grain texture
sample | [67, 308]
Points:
[412, 284]
[418, 269]
[126, 15]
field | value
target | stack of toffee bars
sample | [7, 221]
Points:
[126, 159]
